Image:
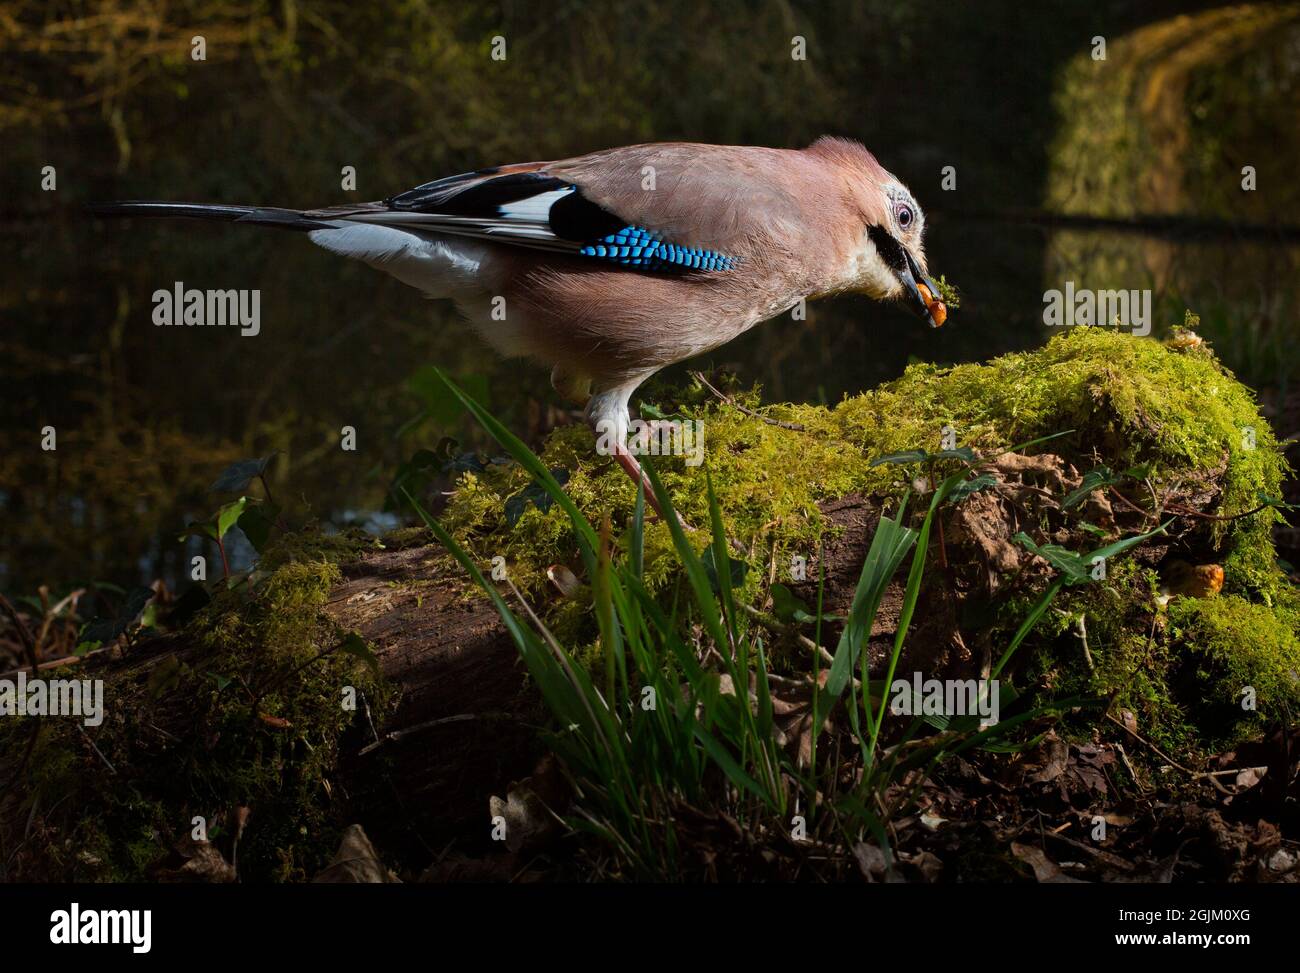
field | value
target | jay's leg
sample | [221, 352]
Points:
[607, 412]
[624, 457]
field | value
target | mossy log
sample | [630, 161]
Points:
[1170, 636]
[461, 730]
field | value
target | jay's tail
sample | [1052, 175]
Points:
[440, 267]
[285, 219]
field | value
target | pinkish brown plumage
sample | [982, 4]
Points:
[613, 265]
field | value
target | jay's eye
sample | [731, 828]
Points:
[903, 213]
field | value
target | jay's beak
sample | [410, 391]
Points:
[919, 292]
[922, 293]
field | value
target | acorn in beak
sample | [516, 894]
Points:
[923, 294]
[920, 293]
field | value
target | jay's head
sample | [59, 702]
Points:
[886, 255]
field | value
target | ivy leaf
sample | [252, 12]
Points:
[228, 515]
[200, 528]
[452, 461]
[188, 605]
[966, 487]
[536, 494]
[901, 459]
[789, 607]
[1067, 562]
[1094, 479]
[963, 453]
[103, 630]
[1277, 502]
[236, 477]
[256, 523]
[735, 569]
[1077, 567]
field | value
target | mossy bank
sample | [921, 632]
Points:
[1167, 414]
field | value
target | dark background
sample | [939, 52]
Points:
[1123, 173]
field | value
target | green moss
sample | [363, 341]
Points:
[1130, 400]
[1178, 670]
[250, 715]
[1242, 662]
[404, 537]
[1127, 663]
[315, 545]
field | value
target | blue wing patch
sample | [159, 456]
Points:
[635, 246]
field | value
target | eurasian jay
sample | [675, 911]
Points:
[616, 264]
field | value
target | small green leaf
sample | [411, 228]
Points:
[102, 630]
[785, 604]
[256, 522]
[196, 528]
[228, 515]
[1067, 562]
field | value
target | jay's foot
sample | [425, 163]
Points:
[632, 468]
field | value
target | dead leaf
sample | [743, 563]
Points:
[356, 862]
[1046, 871]
[202, 862]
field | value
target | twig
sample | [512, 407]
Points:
[792, 426]
[395, 735]
[1186, 511]
[774, 625]
[24, 635]
[1158, 752]
[1129, 766]
[1081, 631]
[111, 769]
